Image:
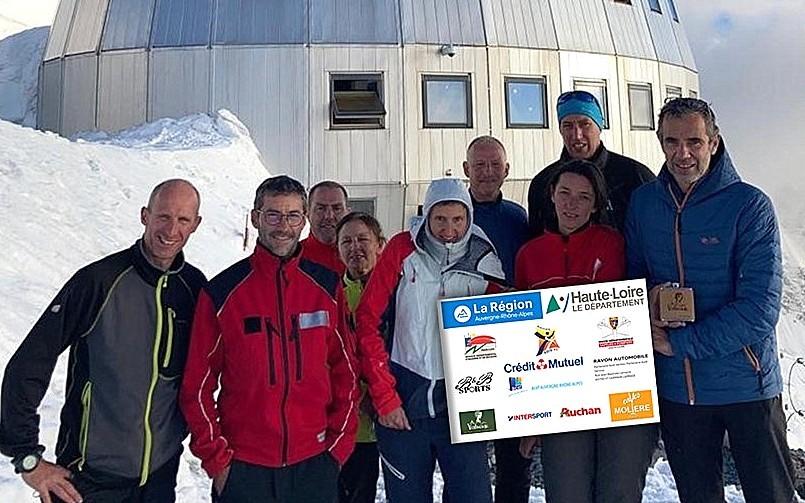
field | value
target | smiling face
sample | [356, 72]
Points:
[574, 200]
[280, 237]
[327, 206]
[358, 248]
[580, 135]
[486, 167]
[169, 220]
[449, 221]
[687, 148]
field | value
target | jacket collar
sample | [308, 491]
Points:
[148, 271]
[267, 263]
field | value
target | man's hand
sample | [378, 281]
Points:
[527, 446]
[654, 308]
[219, 481]
[396, 420]
[660, 341]
[48, 478]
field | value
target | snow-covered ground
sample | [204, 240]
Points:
[65, 203]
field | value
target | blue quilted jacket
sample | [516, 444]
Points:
[730, 256]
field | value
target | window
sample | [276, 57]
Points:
[672, 92]
[655, 5]
[447, 101]
[356, 101]
[627, 2]
[641, 108]
[597, 88]
[692, 93]
[364, 205]
[672, 9]
[526, 102]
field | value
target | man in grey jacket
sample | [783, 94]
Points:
[126, 321]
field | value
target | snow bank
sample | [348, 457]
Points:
[20, 55]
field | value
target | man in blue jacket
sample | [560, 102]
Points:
[699, 226]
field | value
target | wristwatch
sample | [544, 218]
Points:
[27, 462]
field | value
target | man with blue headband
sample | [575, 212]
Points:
[581, 122]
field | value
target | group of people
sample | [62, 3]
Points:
[304, 367]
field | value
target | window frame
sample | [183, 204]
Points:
[541, 81]
[447, 77]
[654, 5]
[602, 84]
[692, 93]
[672, 9]
[640, 86]
[374, 120]
[672, 92]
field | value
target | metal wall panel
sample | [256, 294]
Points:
[519, 23]
[640, 145]
[85, 33]
[581, 25]
[354, 21]
[272, 102]
[182, 23]
[253, 22]
[629, 30]
[79, 94]
[684, 46]
[179, 81]
[128, 24]
[662, 35]
[458, 22]
[60, 29]
[50, 96]
[356, 155]
[529, 150]
[432, 153]
[122, 90]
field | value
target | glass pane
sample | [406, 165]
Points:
[672, 92]
[672, 8]
[640, 107]
[526, 105]
[655, 5]
[599, 90]
[447, 102]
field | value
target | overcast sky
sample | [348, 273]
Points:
[751, 60]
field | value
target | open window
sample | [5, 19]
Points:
[641, 108]
[356, 101]
[447, 101]
[526, 102]
[597, 88]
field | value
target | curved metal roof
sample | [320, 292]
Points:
[599, 26]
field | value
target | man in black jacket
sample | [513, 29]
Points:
[580, 122]
[126, 321]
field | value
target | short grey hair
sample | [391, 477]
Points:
[679, 107]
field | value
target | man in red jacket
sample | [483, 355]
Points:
[328, 204]
[273, 329]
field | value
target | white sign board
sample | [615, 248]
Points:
[548, 361]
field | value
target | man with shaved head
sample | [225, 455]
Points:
[126, 322]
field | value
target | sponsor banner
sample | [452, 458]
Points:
[548, 361]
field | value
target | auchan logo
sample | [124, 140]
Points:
[631, 405]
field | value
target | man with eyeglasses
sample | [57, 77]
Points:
[580, 123]
[272, 328]
[126, 321]
[328, 205]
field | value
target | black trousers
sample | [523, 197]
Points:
[512, 472]
[598, 466]
[97, 488]
[357, 482]
[694, 435]
[311, 481]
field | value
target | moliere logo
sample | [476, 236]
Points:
[631, 405]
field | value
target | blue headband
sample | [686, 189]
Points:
[579, 103]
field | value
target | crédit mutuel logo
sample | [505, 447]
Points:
[631, 405]
[475, 384]
[477, 421]
[543, 364]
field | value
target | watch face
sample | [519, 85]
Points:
[29, 462]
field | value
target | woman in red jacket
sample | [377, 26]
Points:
[595, 466]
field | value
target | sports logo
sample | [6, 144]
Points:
[547, 340]
[477, 347]
[477, 421]
[471, 384]
[530, 416]
[614, 332]
[631, 405]
[515, 383]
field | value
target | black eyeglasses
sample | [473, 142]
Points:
[275, 218]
